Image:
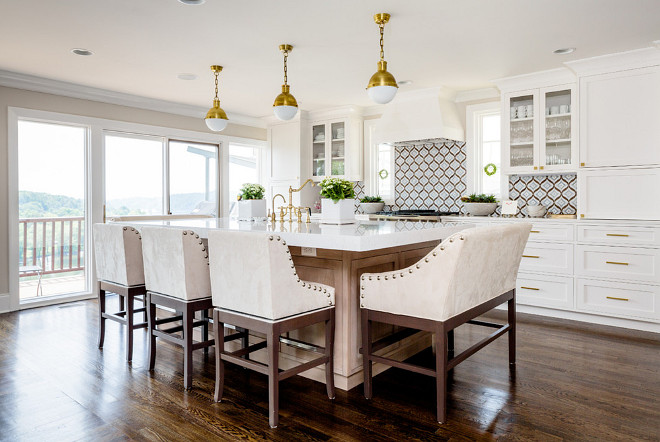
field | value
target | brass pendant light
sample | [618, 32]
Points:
[382, 86]
[285, 106]
[216, 118]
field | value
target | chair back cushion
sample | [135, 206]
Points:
[465, 270]
[118, 252]
[253, 273]
[176, 263]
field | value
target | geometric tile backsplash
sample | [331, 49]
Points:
[558, 193]
[430, 176]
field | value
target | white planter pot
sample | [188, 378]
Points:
[479, 209]
[251, 210]
[371, 207]
[341, 212]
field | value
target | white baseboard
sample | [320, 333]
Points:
[4, 303]
[588, 317]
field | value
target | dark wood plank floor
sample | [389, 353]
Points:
[572, 382]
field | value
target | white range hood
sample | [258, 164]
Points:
[420, 115]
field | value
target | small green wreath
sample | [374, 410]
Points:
[383, 174]
[490, 169]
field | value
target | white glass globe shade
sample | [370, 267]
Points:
[382, 94]
[285, 112]
[216, 124]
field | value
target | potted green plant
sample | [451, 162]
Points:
[251, 202]
[371, 204]
[479, 205]
[337, 201]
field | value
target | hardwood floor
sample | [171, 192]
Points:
[572, 382]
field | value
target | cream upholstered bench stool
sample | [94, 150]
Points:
[176, 270]
[119, 269]
[465, 276]
[255, 286]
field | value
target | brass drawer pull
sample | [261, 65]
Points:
[617, 263]
[528, 288]
[617, 299]
[534, 231]
[530, 256]
[617, 234]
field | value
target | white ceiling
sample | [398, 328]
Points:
[141, 45]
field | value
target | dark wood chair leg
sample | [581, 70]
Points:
[450, 344]
[205, 329]
[273, 344]
[329, 351]
[151, 309]
[441, 372]
[144, 313]
[188, 319]
[101, 318]
[366, 354]
[219, 331]
[245, 340]
[512, 330]
[129, 327]
[121, 303]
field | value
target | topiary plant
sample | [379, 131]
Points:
[336, 189]
[371, 199]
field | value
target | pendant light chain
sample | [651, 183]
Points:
[382, 51]
[216, 85]
[286, 56]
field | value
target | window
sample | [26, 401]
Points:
[484, 155]
[379, 159]
[133, 175]
[385, 172]
[135, 182]
[193, 177]
[244, 166]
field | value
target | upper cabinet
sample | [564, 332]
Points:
[336, 148]
[539, 133]
[620, 118]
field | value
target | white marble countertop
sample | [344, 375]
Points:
[361, 236]
[583, 221]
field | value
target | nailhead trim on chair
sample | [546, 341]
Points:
[410, 269]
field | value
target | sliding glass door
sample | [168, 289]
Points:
[52, 209]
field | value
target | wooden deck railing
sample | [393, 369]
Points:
[54, 244]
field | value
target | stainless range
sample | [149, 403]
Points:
[410, 215]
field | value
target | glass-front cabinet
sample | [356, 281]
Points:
[335, 150]
[539, 130]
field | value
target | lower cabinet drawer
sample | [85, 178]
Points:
[547, 258]
[544, 291]
[619, 299]
[630, 263]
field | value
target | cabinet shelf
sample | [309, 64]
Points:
[338, 139]
[525, 143]
[558, 115]
[561, 140]
[319, 142]
[513, 120]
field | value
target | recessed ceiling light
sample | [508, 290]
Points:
[186, 76]
[192, 2]
[563, 51]
[404, 82]
[83, 52]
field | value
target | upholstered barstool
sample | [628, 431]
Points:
[118, 252]
[176, 270]
[468, 274]
[255, 286]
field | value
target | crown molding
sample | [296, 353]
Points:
[621, 61]
[552, 77]
[336, 112]
[46, 85]
[477, 94]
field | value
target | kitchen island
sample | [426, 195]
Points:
[337, 256]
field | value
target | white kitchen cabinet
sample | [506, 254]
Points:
[539, 130]
[628, 263]
[619, 193]
[544, 290]
[621, 299]
[336, 148]
[619, 118]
